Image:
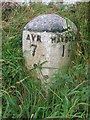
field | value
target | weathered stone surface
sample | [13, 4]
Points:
[48, 23]
[47, 43]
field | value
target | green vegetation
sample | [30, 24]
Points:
[23, 95]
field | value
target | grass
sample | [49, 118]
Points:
[23, 96]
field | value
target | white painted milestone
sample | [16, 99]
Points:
[47, 44]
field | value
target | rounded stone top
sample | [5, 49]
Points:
[49, 23]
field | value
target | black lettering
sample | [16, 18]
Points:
[34, 50]
[53, 39]
[35, 65]
[58, 38]
[39, 38]
[33, 36]
[63, 50]
[66, 39]
[61, 38]
[28, 37]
